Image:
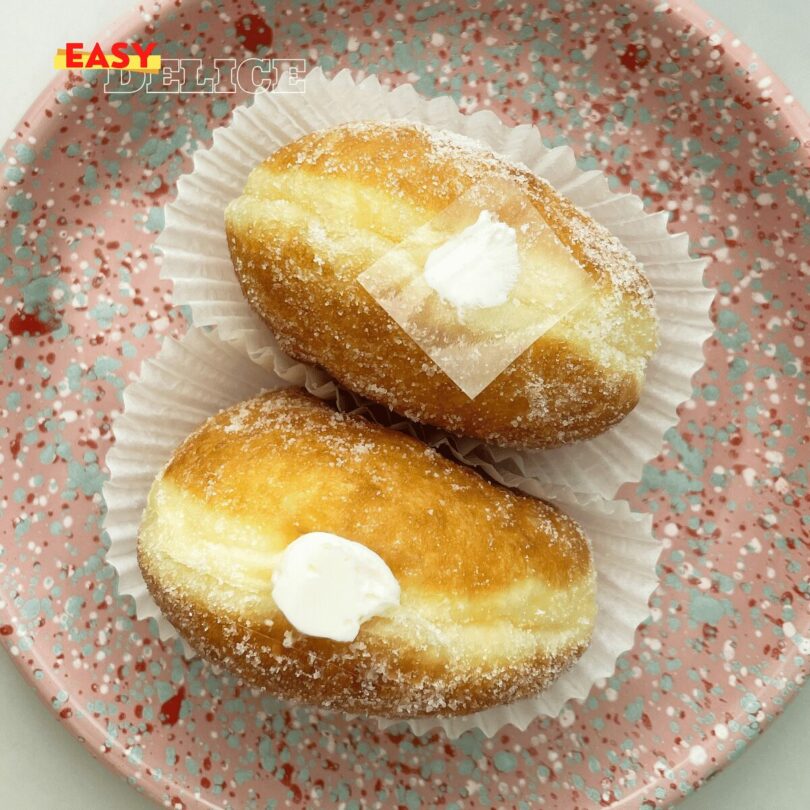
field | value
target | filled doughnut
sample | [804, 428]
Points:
[346, 565]
[320, 211]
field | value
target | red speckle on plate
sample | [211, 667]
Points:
[635, 57]
[15, 445]
[287, 781]
[170, 710]
[254, 32]
[29, 323]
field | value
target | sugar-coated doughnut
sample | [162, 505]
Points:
[497, 588]
[322, 209]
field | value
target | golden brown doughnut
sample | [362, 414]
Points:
[497, 589]
[367, 186]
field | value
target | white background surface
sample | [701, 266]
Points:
[41, 766]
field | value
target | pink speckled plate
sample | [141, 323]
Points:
[676, 111]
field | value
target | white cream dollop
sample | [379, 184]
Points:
[327, 586]
[477, 267]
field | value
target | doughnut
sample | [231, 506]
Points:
[495, 590]
[321, 210]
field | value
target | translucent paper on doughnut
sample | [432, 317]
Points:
[473, 344]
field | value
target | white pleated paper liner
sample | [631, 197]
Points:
[196, 259]
[194, 378]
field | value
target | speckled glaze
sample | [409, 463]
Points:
[676, 111]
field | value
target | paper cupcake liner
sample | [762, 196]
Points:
[194, 378]
[196, 259]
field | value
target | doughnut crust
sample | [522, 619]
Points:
[497, 589]
[324, 208]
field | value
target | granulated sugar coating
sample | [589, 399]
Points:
[323, 209]
[497, 589]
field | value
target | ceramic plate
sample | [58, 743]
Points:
[676, 111]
